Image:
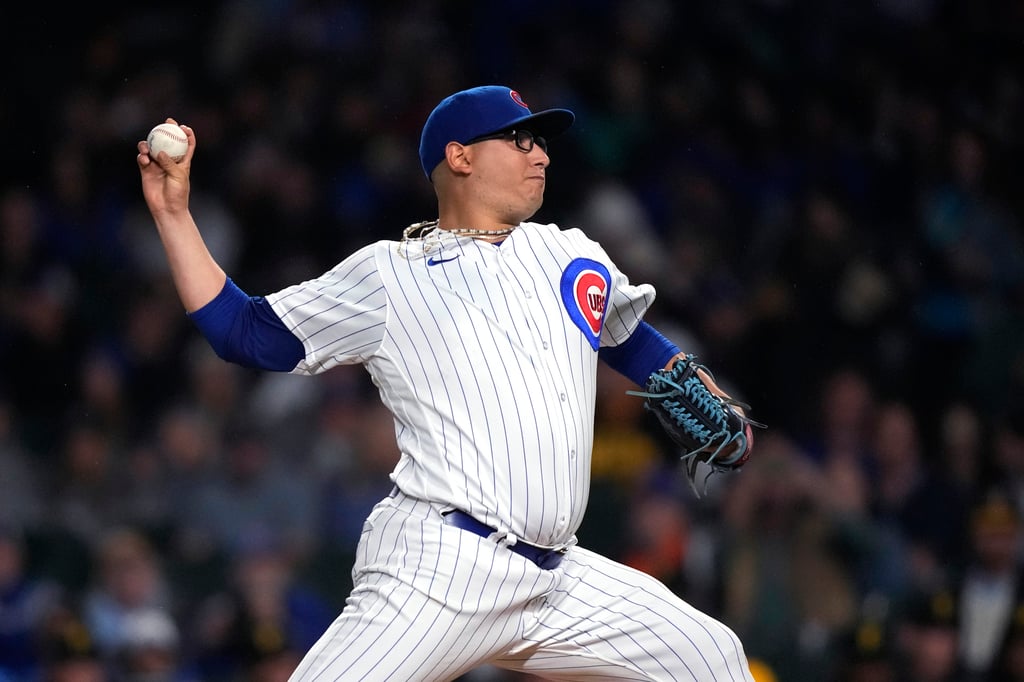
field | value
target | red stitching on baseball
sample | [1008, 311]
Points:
[168, 133]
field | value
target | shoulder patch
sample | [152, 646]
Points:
[584, 289]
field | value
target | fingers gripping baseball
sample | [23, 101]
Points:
[165, 180]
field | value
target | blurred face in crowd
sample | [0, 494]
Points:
[129, 570]
[996, 537]
[932, 652]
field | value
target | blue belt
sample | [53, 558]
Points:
[542, 556]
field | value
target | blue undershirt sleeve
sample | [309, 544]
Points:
[245, 330]
[644, 352]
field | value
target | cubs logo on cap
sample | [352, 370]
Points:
[481, 111]
[584, 288]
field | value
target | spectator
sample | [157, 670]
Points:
[928, 637]
[254, 495]
[658, 539]
[627, 455]
[26, 604]
[1008, 453]
[1009, 664]
[21, 485]
[68, 651]
[914, 505]
[102, 395]
[866, 654]
[84, 486]
[962, 448]
[129, 580]
[785, 588]
[189, 447]
[152, 650]
[991, 585]
[259, 626]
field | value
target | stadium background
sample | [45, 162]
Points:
[826, 194]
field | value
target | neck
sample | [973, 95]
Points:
[473, 220]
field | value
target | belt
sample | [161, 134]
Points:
[544, 557]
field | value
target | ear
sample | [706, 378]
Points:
[458, 158]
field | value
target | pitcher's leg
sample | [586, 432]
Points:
[430, 601]
[388, 631]
[607, 621]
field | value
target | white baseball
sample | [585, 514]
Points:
[169, 138]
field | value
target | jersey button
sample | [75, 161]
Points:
[562, 397]
[528, 294]
[545, 345]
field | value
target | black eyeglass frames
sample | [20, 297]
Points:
[524, 139]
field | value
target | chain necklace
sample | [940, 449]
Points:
[431, 234]
[429, 226]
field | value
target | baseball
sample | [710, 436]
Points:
[169, 138]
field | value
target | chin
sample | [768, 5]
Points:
[515, 216]
[534, 205]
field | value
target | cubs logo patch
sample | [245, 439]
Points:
[584, 290]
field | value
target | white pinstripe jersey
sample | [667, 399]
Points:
[487, 357]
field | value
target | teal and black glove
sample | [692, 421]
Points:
[709, 428]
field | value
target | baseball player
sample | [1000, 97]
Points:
[482, 332]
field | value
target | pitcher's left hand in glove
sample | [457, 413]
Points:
[710, 426]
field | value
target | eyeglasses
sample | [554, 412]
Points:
[524, 139]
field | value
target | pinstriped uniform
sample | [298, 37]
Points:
[442, 324]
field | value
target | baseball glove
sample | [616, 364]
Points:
[709, 428]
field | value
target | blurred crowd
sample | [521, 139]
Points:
[826, 195]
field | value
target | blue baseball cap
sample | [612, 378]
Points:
[481, 111]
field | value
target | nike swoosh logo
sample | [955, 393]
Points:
[438, 261]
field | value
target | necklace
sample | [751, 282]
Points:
[430, 234]
[422, 229]
[470, 232]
